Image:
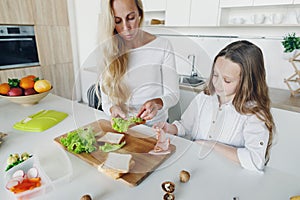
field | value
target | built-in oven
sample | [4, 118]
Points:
[17, 47]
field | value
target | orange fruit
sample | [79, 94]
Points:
[4, 88]
[26, 83]
[32, 77]
[42, 86]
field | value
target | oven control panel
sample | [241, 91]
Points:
[16, 31]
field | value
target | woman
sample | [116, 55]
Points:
[140, 76]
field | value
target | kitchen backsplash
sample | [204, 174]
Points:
[205, 49]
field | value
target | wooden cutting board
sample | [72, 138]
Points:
[137, 144]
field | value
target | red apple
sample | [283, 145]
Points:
[29, 91]
[15, 91]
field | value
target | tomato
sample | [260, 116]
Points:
[4, 88]
[26, 83]
[42, 85]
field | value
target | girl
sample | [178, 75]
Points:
[140, 74]
[233, 114]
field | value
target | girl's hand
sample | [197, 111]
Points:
[166, 127]
[224, 149]
[150, 109]
[160, 125]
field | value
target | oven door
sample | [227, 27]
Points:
[18, 52]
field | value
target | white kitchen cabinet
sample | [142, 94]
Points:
[186, 96]
[296, 1]
[204, 15]
[192, 13]
[154, 5]
[235, 3]
[178, 12]
[271, 2]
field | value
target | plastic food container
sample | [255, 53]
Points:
[56, 163]
[54, 168]
[46, 184]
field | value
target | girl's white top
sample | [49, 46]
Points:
[204, 119]
[151, 73]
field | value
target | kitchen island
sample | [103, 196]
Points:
[212, 176]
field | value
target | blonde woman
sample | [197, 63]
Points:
[140, 75]
[233, 116]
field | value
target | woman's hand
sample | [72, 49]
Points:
[150, 109]
[116, 111]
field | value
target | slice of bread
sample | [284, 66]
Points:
[116, 164]
[112, 138]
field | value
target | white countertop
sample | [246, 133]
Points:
[212, 177]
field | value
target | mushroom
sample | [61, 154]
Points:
[168, 186]
[86, 197]
[16, 156]
[169, 196]
[184, 176]
[25, 156]
[11, 160]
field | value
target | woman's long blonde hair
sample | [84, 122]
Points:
[252, 87]
[115, 55]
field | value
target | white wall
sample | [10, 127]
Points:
[87, 13]
[85, 28]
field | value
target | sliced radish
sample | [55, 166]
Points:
[18, 173]
[12, 183]
[18, 178]
[32, 173]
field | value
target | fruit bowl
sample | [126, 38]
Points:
[27, 100]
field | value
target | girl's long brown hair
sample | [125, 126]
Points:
[115, 55]
[252, 87]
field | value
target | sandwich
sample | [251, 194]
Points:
[116, 164]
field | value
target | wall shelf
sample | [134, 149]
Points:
[272, 15]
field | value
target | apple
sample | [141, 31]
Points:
[15, 91]
[29, 91]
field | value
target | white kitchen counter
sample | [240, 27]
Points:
[212, 177]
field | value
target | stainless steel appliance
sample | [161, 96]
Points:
[17, 47]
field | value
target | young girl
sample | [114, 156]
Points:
[233, 114]
[140, 73]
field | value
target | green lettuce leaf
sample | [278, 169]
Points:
[122, 125]
[80, 140]
[111, 147]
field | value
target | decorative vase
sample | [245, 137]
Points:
[289, 55]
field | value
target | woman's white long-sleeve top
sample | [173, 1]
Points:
[151, 74]
[204, 119]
